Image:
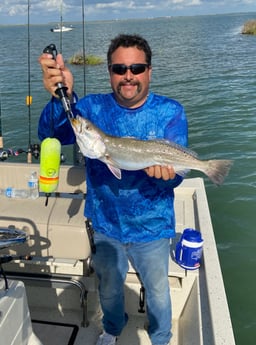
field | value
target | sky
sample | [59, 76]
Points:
[46, 11]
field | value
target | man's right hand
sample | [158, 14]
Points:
[55, 72]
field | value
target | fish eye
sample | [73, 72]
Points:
[87, 127]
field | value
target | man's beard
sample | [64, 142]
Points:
[123, 83]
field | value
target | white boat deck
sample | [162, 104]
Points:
[58, 249]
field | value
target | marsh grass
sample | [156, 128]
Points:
[249, 27]
[80, 59]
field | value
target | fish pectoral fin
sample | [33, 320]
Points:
[115, 171]
[112, 165]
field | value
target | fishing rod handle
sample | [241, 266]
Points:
[51, 49]
[61, 90]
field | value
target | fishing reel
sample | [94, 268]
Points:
[4, 154]
[34, 150]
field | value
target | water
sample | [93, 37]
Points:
[206, 64]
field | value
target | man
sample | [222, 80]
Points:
[133, 218]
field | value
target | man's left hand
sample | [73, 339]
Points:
[158, 171]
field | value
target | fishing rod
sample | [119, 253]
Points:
[5, 153]
[77, 156]
[83, 21]
[29, 97]
[61, 25]
[61, 90]
[33, 149]
[1, 134]
[50, 157]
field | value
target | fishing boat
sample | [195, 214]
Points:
[61, 28]
[52, 295]
[48, 288]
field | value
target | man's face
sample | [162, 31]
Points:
[130, 89]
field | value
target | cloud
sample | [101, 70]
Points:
[131, 5]
[20, 7]
[45, 11]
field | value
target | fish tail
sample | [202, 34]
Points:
[218, 169]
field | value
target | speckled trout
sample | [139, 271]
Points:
[134, 154]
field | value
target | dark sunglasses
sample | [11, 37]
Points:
[135, 68]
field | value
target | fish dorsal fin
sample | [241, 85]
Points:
[177, 146]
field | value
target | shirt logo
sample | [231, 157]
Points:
[151, 135]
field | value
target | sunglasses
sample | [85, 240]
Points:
[135, 68]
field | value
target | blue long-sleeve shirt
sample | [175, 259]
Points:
[137, 208]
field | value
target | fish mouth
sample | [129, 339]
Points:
[76, 125]
[74, 121]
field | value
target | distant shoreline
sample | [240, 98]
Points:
[127, 19]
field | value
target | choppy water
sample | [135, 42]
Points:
[206, 64]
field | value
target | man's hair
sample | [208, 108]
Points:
[127, 41]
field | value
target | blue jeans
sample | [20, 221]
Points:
[150, 260]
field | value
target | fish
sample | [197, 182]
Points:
[128, 153]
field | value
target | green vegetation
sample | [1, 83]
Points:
[249, 27]
[80, 59]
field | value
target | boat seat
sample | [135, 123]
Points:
[58, 249]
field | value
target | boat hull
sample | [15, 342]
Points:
[200, 310]
[61, 29]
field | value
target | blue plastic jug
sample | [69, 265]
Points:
[189, 249]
